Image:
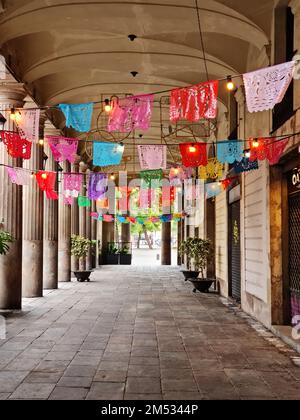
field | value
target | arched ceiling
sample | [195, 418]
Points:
[77, 51]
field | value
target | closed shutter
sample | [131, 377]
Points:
[294, 253]
[235, 251]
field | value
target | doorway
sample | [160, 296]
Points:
[211, 234]
[235, 250]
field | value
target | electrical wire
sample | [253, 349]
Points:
[202, 40]
[286, 137]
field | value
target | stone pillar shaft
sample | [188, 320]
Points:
[82, 222]
[64, 235]
[74, 222]
[50, 254]
[33, 208]
[88, 261]
[10, 214]
[166, 254]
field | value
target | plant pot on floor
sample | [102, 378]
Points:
[190, 274]
[202, 285]
[125, 259]
[112, 259]
[83, 276]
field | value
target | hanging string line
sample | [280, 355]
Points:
[32, 171]
[191, 141]
[202, 40]
[222, 79]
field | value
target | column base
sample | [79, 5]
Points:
[64, 262]
[74, 264]
[50, 281]
[32, 269]
[11, 278]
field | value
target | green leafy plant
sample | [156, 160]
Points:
[80, 246]
[125, 250]
[112, 249]
[198, 252]
[5, 239]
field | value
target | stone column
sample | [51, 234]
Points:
[125, 234]
[179, 241]
[94, 237]
[108, 235]
[33, 215]
[50, 253]
[74, 222]
[294, 4]
[64, 235]
[88, 225]
[10, 209]
[166, 248]
[82, 216]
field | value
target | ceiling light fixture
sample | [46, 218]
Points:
[247, 154]
[134, 73]
[230, 85]
[192, 149]
[132, 37]
[107, 105]
[12, 114]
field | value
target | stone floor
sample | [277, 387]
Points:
[135, 333]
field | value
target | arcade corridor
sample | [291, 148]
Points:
[141, 334]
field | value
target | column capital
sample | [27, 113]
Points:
[295, 6]
[240, 95]
[50, 129]
[12, 94]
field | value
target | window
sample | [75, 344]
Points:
[284, 51]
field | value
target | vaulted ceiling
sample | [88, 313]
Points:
[79, 51]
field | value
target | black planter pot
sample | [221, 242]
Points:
[112, 259]
[125, 259]
[202, 285]
[83, 276]
[190, 274]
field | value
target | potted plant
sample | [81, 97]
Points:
[112, 257]
[125, 254]
[5, 240]
[80, 248]
[198, 252]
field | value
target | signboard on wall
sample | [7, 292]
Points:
[294, 181]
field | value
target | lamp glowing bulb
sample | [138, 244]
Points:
[255, 144]
[18, 117]
[107, 106]
[176, 170]
[247, 154]
[13, 114]
[32, 175]
[230, 85]
[192, 149]
[112, 177]
[41, 142]
[44, 176]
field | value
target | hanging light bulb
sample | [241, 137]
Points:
[18, 116]
[12, 114]
[255, 144]
[44, 176]
[112, 177]
[192, 149]
[107, 106]
[247, 154]
[41, 142]
[230, 85]
[176, 170]
[32, 175]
